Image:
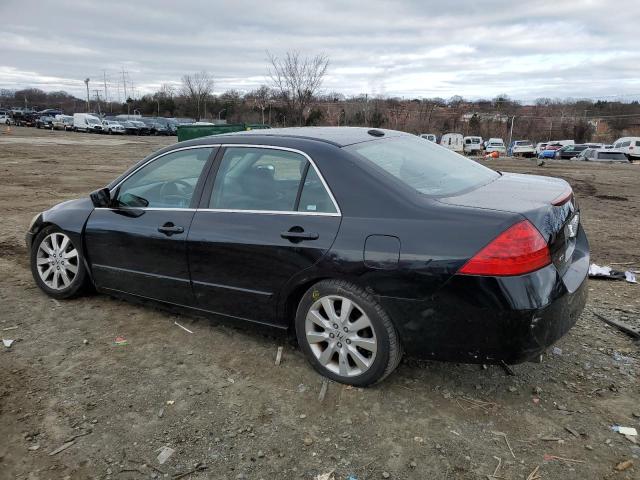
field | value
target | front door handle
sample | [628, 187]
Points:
[170, 229]
[297, 235]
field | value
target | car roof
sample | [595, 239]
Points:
[339, 136]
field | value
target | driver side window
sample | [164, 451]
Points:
[168, 182]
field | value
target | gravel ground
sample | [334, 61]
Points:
[216, 398]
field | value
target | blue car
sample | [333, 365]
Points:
[549, 151]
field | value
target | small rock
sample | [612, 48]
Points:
[385, 475]
[308, 441]
[588, 447]
[33, 448]
[303, 416]
[537, 390]
[260, 454]
[512, 389]
[413, 464]
[85, 341]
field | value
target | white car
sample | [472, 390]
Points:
[453, 141]
[630, 146]
[540, 147]
[522, 148]
[472, 145]
[5, 120]
[85, 122]
[428, 136]
[496, 145]
[113, 127]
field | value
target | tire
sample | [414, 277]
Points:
[336, 356]
[55, 285]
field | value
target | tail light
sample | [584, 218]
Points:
[518, 250]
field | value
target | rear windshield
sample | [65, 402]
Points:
[611, 156]
[424, 166]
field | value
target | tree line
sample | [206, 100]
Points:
[292, 96]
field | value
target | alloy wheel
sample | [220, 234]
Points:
[57, 261]
[341, 335]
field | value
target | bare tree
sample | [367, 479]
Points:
[197, 88]
[261, 98]
[297, 79]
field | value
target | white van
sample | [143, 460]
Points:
[428, 136]
[630, 146]
[496, 145]
[472, 145]
[453, 141]
[85, 122]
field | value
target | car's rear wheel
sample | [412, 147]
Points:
[57, 264]
[346, 335]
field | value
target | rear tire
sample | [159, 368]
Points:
[57, 264]
[358, 346]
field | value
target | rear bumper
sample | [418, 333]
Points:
[491, 319]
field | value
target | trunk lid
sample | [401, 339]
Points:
[538, 199]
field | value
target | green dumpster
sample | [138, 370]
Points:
[189, 132]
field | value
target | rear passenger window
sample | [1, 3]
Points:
[314, 197]
[257, 179]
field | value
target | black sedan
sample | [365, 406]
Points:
[365, 243]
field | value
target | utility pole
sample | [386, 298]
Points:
[104, 78]
[98, 100]
[513, 119]
[124, 85]
[86, 82]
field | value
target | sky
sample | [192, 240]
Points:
[411, 49]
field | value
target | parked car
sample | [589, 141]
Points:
[143, 129]
[85, 122]
[569, 151]
[63, 122]
[276, 236]
[522, 148]
[602, 155]
[453, 141]
[429, 136]
[129, 127]
[24, 119]
[45, 121]
[113, 127]
[5, 119]
[630, 146]
[495, 145]
[539, 148]
[472, 145]
[550, 151]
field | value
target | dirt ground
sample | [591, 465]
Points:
[216, 397]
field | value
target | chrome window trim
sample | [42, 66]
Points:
[338, 212]
[115, 187]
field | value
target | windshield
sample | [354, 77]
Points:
[424, 166]
[93, 121]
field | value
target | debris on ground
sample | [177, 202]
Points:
[325, 476]
[279, 356]
[165, 453]
[625, 430]
[534, 475]
[182, 327]
[547, 458]
[622, 466]
[198, 468]
[504, 435]
[7, 343]
[323, 390]
[622, 326]
[62, 447]
[596, 271]
[120, 341]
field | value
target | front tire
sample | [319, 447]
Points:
[346, 335]
[57, 264]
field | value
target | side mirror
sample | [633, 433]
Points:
[101, 198]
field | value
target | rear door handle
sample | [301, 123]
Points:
[296, 236]
[170, 229]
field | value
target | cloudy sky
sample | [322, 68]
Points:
[560, 48]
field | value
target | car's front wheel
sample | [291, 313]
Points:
[346, 335]
[57, 264]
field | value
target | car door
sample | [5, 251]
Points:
[138, 246]
[264, 216]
